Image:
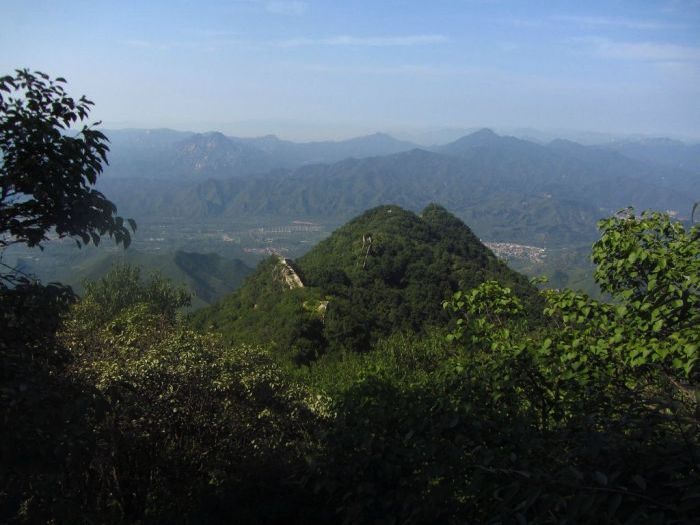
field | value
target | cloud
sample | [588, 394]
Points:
[642, 51]
[286, 7]
[599, 21]
[372, 41]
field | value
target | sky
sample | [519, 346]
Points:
[311, 69]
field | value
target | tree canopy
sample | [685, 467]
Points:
[47, 172]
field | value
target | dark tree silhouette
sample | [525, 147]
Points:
[47, 172]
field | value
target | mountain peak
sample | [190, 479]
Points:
[213, 135]
[374, 138]
[483, 137]
[484, 132]
[565, 145]
[208, 140]
[387, 270]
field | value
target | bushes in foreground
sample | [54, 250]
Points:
[152, 422]
[118, 413]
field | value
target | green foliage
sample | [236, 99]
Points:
[46, 175]
[652, 265]
[484, 310]
[586, 414]
[208, 276]
[616, 382]
[144, 420]
[121, 288]
[205, 430]
[576, 421]
[265, 310]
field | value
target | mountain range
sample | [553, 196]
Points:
[165, 153]
[506, 188]
[168, 154]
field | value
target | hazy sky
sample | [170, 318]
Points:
[308, 68]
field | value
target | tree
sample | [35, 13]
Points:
[616, 382]
[47, 174]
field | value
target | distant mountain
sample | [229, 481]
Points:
[434, 136]
[478, 139]
[167, 154]
[437, 136]
[587, 138]
[506, 188]
[569, 170]
[385, 271]
[341, 190]
[664, 151]
[214, 155]
[297, 154]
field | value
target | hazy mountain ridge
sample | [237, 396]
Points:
[566, 168]
[663, 151]
[506, 188]
[168, 154]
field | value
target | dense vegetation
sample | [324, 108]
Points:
[435, 386]
[386, 271]
[114, 410]
[124, 415]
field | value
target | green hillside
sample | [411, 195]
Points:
[207, 276]
[386, 271]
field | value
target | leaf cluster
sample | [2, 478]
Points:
[47, 175]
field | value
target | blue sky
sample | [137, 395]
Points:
[311, 69]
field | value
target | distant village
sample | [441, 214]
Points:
[509, 250]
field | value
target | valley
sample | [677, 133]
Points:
[445, 324]
[252, 241]
[535, 204]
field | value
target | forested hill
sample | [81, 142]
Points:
[386, 271]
